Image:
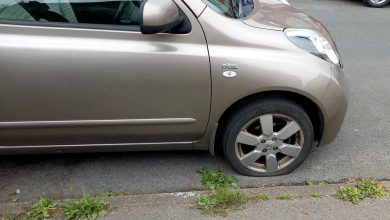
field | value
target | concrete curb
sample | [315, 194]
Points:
[131, 203]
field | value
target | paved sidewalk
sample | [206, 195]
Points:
[302, 206]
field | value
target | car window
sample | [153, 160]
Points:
[108, 12]
[231, 8]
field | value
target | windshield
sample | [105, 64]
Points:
[231, 8]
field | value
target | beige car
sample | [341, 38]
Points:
[260, 80]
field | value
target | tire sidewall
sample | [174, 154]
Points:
[263, 107]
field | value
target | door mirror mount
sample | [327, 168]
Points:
[159, 16]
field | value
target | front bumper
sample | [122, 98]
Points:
[334, 102]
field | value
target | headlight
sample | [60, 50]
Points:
[314, 43]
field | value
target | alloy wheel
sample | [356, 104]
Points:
[269, 143]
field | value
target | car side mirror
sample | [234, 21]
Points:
[158, 16]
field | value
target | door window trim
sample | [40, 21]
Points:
[86, 26]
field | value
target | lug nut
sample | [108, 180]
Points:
[264, 150]
[274, 139]
[263, 141]
[276, 148]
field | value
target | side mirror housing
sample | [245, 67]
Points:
[158, 16]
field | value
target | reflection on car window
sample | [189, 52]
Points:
[231, 8]
[117, 12]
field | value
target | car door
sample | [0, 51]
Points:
[82, 73]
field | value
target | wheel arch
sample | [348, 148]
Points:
[311, 108]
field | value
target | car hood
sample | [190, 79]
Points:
[275, 15]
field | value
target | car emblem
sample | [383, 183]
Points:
[228, 70]
[269, 145]
[229, 66]
[229, 74]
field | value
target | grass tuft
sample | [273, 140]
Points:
[88, 208]
[9, 216]
[259, 197]
[351, 194]
[362, 188]
[224, 196]
[315, 183]
[42, 209]
[108, 193]
[316, 195]
[216, 179]
[221, 201]
[371, 188]
[284, 196]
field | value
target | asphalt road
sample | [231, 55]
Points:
[361, 150]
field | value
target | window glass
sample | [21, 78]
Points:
[231, 8]
[110, 12]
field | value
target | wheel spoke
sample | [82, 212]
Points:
[288, 130]
[248, 139]
[271, 163]
[267, 124]
[251, 157]
[291, 150]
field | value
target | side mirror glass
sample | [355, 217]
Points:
[158, 16]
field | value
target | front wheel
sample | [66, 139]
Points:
[268, 137]
[376, 3]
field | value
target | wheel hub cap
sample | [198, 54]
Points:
[269, 145]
